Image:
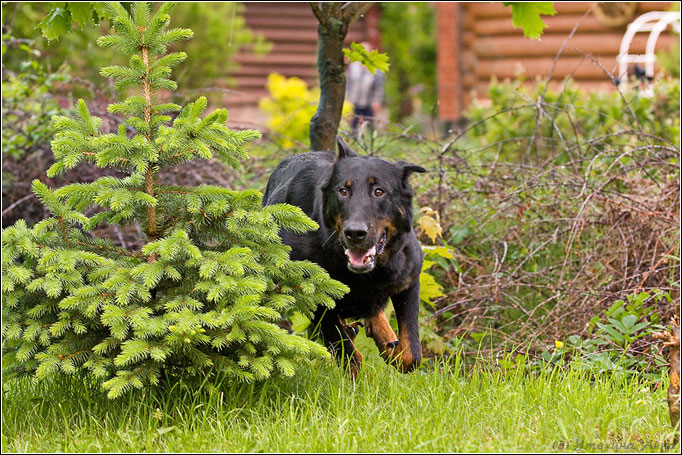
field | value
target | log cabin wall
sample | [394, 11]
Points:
[478, 41]
[292, 30]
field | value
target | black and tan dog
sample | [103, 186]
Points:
[364, 208]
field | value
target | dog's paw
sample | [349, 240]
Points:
[353, 329]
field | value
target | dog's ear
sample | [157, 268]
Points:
[408, 168]
[344, 150]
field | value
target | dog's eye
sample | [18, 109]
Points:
[378, 192]
[343, 192]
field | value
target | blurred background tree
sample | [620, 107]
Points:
[408, 35]
[221, 33]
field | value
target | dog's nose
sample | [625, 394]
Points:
[355, 232]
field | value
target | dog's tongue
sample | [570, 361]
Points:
[358, 257]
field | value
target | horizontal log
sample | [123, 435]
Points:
[274, 21]
[252, 82]
[482, 10]
[579, 67]
[250, 117]
[240, 96]
[603, 44]
[303, 37]
[294, 35]
[286, 70]
[291, 48]
[249, 82]
[277, 59]
[486, 9]
[291, 35]
[645, 7]
[277, 9]
[555, 24]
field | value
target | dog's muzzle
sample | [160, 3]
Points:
[362, 260]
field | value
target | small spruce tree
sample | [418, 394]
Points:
[209, 286]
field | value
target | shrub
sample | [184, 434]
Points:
[213, 277]
[572, 117]
[555, 207]
[290, 107]
[616, 342]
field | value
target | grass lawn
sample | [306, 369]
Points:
[449, 409]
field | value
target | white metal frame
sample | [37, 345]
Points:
[654, 22]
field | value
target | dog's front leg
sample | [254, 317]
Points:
[378, 328]
[338, 338]
[408, 354]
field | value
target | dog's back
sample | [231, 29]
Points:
[296, 178]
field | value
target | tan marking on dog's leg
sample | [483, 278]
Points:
[381, 331]
[404, 358]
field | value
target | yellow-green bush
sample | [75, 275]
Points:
[290, 107]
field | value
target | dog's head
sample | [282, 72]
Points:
[368, 202]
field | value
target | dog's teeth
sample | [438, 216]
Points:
[359, 257]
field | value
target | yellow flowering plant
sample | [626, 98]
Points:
[290, 107]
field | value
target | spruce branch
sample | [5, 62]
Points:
[213, 278]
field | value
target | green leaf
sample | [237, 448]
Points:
[527, 16]
[615, 336]
[441, 251]
[372, 60]
[429, 288]
[81, 12]
[428, 264]
[629, 321]
[299, 322]
[165, 430]
[57, 23]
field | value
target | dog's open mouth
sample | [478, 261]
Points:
[363, 261]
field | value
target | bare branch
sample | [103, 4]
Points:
[353, 10]
[19, 202]
[317, 11]
[541, 99]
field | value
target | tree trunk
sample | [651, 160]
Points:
[331, 67]
[334, 19]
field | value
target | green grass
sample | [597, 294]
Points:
[445, 409]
